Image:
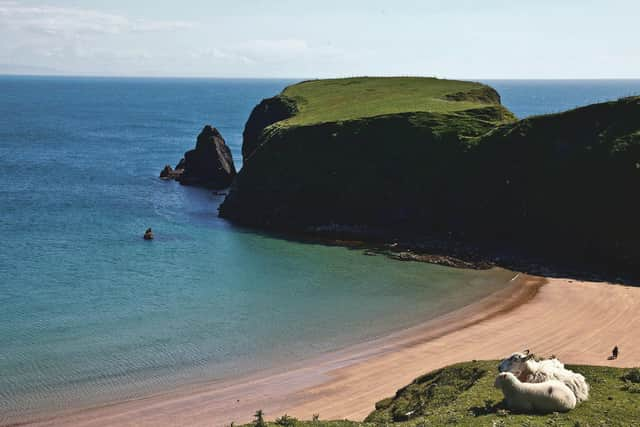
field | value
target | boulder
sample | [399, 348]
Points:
[148, 235]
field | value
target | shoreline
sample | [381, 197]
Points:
[347, 383]
[454, 251]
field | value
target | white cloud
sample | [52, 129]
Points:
[76, 40]
[71, 22]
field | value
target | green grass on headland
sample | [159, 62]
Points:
[321, 101]
[464, 395]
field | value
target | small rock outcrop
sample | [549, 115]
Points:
[170, 173]
[209, 165]
[148, 235]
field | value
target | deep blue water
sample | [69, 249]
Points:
[534, 97]
[89, 312]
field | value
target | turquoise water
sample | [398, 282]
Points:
[92, 313]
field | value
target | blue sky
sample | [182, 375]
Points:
[255, 38]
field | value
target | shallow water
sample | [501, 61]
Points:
[90, 312]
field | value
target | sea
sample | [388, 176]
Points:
[90, 313]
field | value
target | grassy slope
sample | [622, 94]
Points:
[464, 395]
[321, 101]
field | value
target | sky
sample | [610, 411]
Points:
[325, 38]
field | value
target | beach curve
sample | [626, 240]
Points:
[347, 383]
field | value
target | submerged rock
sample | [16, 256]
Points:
[209, 165]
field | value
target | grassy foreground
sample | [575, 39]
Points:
[321, 101]
[463, 395]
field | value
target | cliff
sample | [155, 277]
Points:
[429, 157]
[355, 151]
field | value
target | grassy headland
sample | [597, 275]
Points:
[313, 150]
[464, 395]
[321, 101]
[440, 159]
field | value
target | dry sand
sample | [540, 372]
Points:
[579, 322]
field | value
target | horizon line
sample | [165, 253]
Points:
[125, 76]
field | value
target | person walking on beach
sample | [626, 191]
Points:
[614, 352]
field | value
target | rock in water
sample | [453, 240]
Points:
[170, 173]
[209, 165]
[148, 235]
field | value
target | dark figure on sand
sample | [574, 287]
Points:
[614, 353]
[148, 235]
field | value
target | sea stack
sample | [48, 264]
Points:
[209, 165]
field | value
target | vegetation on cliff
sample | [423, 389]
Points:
[367, 167]
[342, 100]
[429, 157]
[464, 395]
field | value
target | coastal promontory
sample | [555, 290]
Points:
[357, 151]
[432, 158]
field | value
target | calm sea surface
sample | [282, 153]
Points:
[89, 312]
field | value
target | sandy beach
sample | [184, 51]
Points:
[577, 321]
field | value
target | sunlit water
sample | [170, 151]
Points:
[90, 313]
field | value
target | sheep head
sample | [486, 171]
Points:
[504, 378]
[516, 363]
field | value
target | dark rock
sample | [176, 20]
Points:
[180, 164]
[209, 165]
[148, 235]
[169, 173]
[268, 112]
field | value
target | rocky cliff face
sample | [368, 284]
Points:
[377, 171]
[266, 113]
[563, 185]
[374, 170]
[209, 165]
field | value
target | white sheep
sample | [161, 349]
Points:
[528, 370]
[540, 398]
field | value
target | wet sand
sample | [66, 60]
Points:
[577, 321]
